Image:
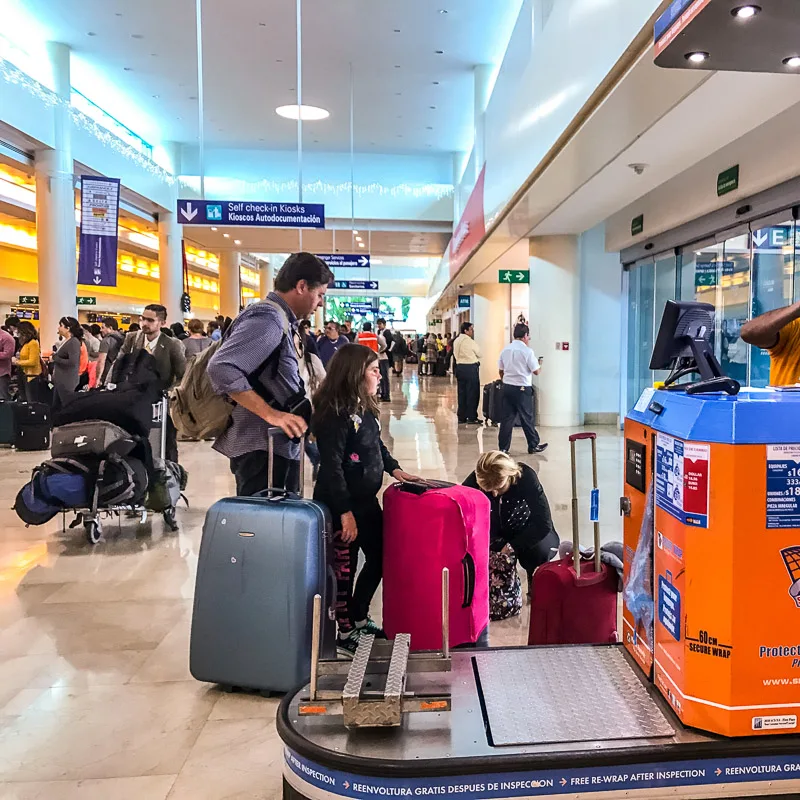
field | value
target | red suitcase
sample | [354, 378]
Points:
[575, 601]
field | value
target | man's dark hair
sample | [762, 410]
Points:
[465, 326]
[333, 322]
[159, 310]
[521, 330]
[94, 329]
[110, 322]
[12, 322]
[302, 267]
[366, 327]
[381, 321]
[133, 327]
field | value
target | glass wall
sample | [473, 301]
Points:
[742, 273]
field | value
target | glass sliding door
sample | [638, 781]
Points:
[641, 303]
[733, 305]
[773, 248]
[665, 283]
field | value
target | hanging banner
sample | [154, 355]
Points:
[97, 265]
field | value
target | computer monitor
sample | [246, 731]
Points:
[683, 346]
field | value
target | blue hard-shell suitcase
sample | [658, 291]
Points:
[262, 560]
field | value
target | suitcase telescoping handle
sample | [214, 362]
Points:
[576, 548]
[271, 489]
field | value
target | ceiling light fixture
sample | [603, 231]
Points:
[237, 241]
[355, 232]
[137, 36]
[436, 83]
[91, 33]
[127, 69]
[304, 112]
[156, 96]
[439, 52]
[226, 236]
[361, 244]
[358, 238]
[442, 10]
[745, 12]
[792, 61]
[213, 229]
[698, 57]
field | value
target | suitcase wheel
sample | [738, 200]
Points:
[93, 531]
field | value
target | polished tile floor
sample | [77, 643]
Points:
[96, 699]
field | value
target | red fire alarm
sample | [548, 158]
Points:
[565, 345]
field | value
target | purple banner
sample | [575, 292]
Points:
[97, 265]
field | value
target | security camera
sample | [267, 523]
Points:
[638, 168]
[460, 285]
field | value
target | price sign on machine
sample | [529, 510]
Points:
[682, 479]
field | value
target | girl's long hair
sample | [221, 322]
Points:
[75, 328]
[343, 389]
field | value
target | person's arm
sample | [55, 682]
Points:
[177, 359]
[27, 356]
[533, 363]
[500, 365]
[475, 350]
[8, 347]
[242, 353]
[764, 331]
[332, 437]
[381, 343]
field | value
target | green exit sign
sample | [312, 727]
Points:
[29, 299]
[514, 276]
[87, 301]
[728, 181]
[637, 225]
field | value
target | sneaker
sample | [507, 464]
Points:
[540, 448]
[346, 646]
[370, 626]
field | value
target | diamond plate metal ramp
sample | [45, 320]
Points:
[565, 694]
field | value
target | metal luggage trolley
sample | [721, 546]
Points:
[91, 517]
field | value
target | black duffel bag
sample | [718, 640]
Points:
[129, 407]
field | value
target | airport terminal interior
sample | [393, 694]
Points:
[547, 252]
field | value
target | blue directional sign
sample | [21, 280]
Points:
[247, 213]
[345, 260]
[369, 285]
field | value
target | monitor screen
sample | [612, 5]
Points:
[682, 324]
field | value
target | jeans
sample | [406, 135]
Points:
[469, 390]
[250, 471]
[383, 390]
[517, 401]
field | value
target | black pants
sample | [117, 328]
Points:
[469, 390]
[353, 597]
[5, 385]
[532, 556]
[399, 363]
[517, 402]
[251, 473]
[383, 389]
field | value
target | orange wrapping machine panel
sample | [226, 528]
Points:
[724, 647]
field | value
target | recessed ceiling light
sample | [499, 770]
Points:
[127, 69]
[355, 232]
[442, 10]
[137, 36]
[429, 128]
[237, 241]
[792, 61]
[436, 83]
[226, 236]
[432, 108]
[91, 33]
[262, 24]
[279, 61]
[304, 112]
[118, 14]
[398, 94]
[439, 52]
[361, 244]
[213, 229]
[698, 57]
[745, 12]
[156, 96]
[358, 238]
[397, 66]
[154, 55]
[397, 30]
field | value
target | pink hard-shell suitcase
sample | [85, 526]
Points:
[427, 527]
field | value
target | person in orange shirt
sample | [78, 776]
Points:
[778, 332]
[368, 337]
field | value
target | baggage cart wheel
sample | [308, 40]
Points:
[169, 519]
[93, 531]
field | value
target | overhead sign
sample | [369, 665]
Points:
[246, 213]
[465, 301]
[637, 225]
[364, 285]
[679, 14]
[29, 299]
[97, 264]
[345, 260]
[728, 181]
[514, 276]
[86, 301]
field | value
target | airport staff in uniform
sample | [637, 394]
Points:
[468, 362]
[518, 365]
[778, 332]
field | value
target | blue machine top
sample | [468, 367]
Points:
[752, 417]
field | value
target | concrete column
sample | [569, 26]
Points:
[170, 265]
[266, 278]
[491, 306]
[229, 286]
[482, 74]
[55, 210]
[555, 320]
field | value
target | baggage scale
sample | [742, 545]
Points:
[578, 721]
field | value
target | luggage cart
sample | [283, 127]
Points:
[91, 518]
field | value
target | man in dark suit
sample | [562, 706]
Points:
[169, 355]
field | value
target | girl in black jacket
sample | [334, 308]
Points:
[353, 460]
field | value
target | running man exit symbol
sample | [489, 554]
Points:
[514, 276]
